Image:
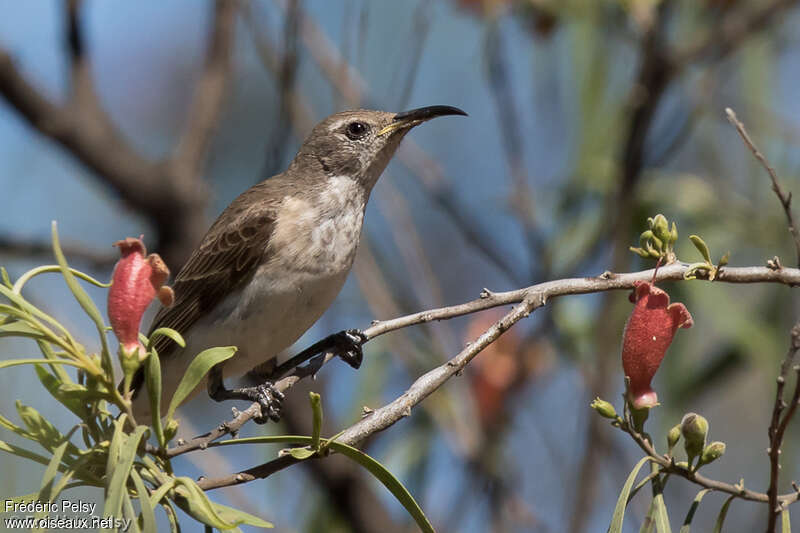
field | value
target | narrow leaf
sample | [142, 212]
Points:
[197, 370]
[660, 514]
[383, 475]
[30, 274]
[152, 376]
[701, 247]
[148, 514]
[619, 509]
[786, 527]
[169, 333]
[316, 409]
[240, 517]
[46, 487]
[721, 515]
[687, 522]
[120, 471]
[85, 302]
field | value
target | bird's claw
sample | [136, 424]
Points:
[348, 346]
[271, 401]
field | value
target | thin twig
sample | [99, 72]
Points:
[530, 299]
[785, 198]
[778, 424]
[387, 415]
[668, 466]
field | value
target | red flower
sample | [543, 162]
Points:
[135, 282]
[648, 334]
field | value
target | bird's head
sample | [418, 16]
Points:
[360, 143]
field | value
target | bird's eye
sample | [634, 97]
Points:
[356, 130]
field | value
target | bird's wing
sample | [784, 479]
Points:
[228, 256]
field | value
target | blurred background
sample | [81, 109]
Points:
[586, 116]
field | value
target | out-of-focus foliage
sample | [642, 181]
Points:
[573, 121]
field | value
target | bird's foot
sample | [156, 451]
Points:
[268, 397]
[347, 345]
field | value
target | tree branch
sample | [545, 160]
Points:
[528, 299]
[206, 107]
[778, 425]
[785, 198]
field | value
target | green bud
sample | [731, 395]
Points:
[673, 436]
[639, 417]
[673, 234]
[694, 429]
[661, 228]
[712, 452]
[170, 430]
[604, 408]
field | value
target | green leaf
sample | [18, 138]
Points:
[22, 452]
[316, 409]
[19, 328]
[160, 492]
[383, 475]
[786, 527]
[240, 517]
[39, 428]
[701, 247]
[172, 516]
[37, 361]
[301, 453]
[118, 471]
[46, 487]
[375, 468]
[197, 370]
[53, 386]
[85, 302]
[660, 514]
[129, 513]
[196, 504]
[148, 514]
[687, 522]
[619, 509]
[722, 513]
[27, 276]
[31, 313]
[152, 376]
[166, 332]
[4, 277]
[649, 521]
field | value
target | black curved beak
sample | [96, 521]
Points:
[422, 114]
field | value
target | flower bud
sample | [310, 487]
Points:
[660, 228]
[694, 429]
[672, 437]
[604, 408]
[170, 429]
[712, 452]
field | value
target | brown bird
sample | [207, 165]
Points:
[278, 255]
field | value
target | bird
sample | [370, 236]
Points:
[276, 258]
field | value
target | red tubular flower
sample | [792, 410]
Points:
[135, 282]
[648, 334]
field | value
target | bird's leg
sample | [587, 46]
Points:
[346, 344]
[270, 399]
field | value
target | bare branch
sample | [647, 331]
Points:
[135, 178]
[785, 198]
[528, 299]
[668, 466]
[778, 425]
[731, 32]
[206, 107]
[13, 247]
